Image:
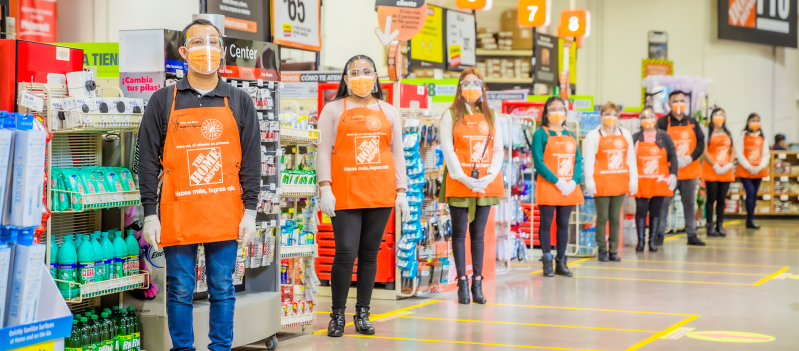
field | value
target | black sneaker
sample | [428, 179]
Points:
[694, 240]
[615, 257]
[603, 256]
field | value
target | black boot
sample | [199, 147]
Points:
[711, 229]
[720, 230]
[336, 326]
[362, 324]
[561, 268]
[659, 239]
[477, 291]
[695, 241]
[603, 256]
[641, 228]
[463, 291]
[653, 230]
[750, 223]
[548, 271]
[615, 257]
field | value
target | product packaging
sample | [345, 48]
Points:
[27, 279]
[68, 268]
[28, 186]
[6, 168]
[133, 253]
[99, 264]
[86, 262]
[5, 267]
[120, 256]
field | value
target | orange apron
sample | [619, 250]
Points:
[611, 174]
[362, 165]
[685, 143]
[753, 151]
[653, 170]
[719, 148]
[559, 156]
[469, 139]
[201, 194]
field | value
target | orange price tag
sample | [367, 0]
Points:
[471, 4]
[534, 13]
[575, 23]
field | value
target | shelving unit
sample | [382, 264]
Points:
[774, 201]
[516, 53]
[105, 287]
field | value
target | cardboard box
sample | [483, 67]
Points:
[522, 37]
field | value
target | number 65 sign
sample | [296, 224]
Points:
[534, 13]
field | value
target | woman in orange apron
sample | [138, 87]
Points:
[472, 147]
[361, 170]
[558, 163]
[717, 170]
[610, 174]
[657, 176]
[753, 158]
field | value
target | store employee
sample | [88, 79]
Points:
[689, 141]
[200, 134]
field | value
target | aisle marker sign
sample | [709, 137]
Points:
[575, 23]
[471, 4]
[399, 19]
[534, 13]
[296, 24]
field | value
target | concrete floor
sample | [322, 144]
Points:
[679, 298]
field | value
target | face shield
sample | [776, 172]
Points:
[204, 51]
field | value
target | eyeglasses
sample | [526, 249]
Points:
[556, 109]
[474, 84]
[203, 41]
[719, 114]
[360, 72]
[610, 115]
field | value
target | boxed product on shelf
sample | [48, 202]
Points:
[763, 206]
[71, 186]
[521, 37]
[28, 166]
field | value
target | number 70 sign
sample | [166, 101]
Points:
[534, 13]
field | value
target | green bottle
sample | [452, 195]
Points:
[86, 334]
[96, 333]
[68, 268]
[122, 342]
[54, 260]
[78, 240]
[135, 329]
[99, 266]
[108, 256]
[105, 334]
[86, 262]
[133, 252]
[73, 343]
[120, 257]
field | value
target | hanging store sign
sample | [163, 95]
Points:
[471, 4]
[250, 59]
[428, 45]
[546, 59]
[769, 22]
[245, 19]
[37, 20]
[461, 39]
[141, 85]
[104, 56]
[297, 23]
[399, 19]
[575, 23]
[534, 13]
[567, 59]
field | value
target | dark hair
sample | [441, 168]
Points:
[198, 22]
[545, 114]
[778, 138]
[723, 125]
[746, 126]
[676, 92]
[343, 92]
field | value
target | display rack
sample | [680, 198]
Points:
[779, 192]
[105, 287]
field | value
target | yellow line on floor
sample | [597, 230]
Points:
[568, 263]
[733, 222]
[669, 270]
[531, 324]
[708, 263]
[660, 280]
[761, 281]
[664, 332]
[465, 342]
[586, 309]
[383, 315]
[672, 237]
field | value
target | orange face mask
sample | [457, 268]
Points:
[718, 121]
[557, 118]
[678, 108]
[472, 95]
[205, 59]
[754, 126]
[609, 122]
[648, 123]
[362, 86]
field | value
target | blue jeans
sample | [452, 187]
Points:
[181, 278]
[751, 186]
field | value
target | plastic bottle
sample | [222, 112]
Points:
[107, 344]
[122, 341]
[78, 240]
[85, 333]
[108, 256]
[133, 252]
[135, 329]
[86, 262]
[54, 260]
[68, 268]
[120, 256]
[99, 265]
[73, 343]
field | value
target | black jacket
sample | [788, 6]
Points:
[153, 129]
[666, 121]
[663, 140]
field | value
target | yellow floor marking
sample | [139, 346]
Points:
[586, 309]
[761, 281]
[568, 263]
[709, 263]
[661, 280]
[670, 270]
[672, 237]
[464, 342]
[733, 222]
[664, 332]
[383, 315]
[531, 324]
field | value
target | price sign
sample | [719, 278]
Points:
[784, 179]
[100, 198]
[782, 156]
[125, 118]
[534, 13]
[471, 4]
[575, 23]
[102, 118]
[295, 23]
[124, 197]
[784, 197]
[31, 101]
[114, 118]
[767, 197]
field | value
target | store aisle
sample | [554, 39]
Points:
[736, 291]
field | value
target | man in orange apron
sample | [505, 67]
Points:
[199, 169]
[689, 141]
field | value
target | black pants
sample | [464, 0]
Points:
[751, 186]
[652, 206]
[460, 222]
[716, 198]
[358, 234]
[562, 221]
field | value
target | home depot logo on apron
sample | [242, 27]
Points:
[653, 172]
[201, 193]
[719, 148]
[685, 142]
[559, 154]
[612, 176]
[362, 165]
[753, 151]
[474, 147]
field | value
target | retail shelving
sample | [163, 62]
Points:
[102, 200]
[290, 135]
[298, 191]
[779, 192]
[299, 251]
[517, 53]
[106, 287]
[524, 80]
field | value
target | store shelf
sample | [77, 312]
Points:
[102, 201]
[300, 191]
[517, 53]
[290, 135]
[298, 251]
[298, 320]
[106, 287]
[79, 122]
[525, 80]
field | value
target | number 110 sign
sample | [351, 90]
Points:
[534, 13]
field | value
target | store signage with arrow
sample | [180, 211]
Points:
[399, 19]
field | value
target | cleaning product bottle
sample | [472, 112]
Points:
[99, 265]
[135, 329]
[86, 262]
[86, 334]
[133, 252]
[78, 240]
[108, 256]
[73, 343]
[105, 334]
[54, 259]
[67, 268]
[120, 256]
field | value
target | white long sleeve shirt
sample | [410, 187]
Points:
[591, 147]
[448, 147]
[739, 150]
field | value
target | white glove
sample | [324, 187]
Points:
[683, 161]
[759, 169]
[719, 169]
[487, 180]
[247, 228]
[402, 206]
[152, 231]
[633, 185]
[590, 186]
[572, 185]
[327, 201]
[475, 185]
[751, 169]
[727, 168]
[672, 182]
[563, 186]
